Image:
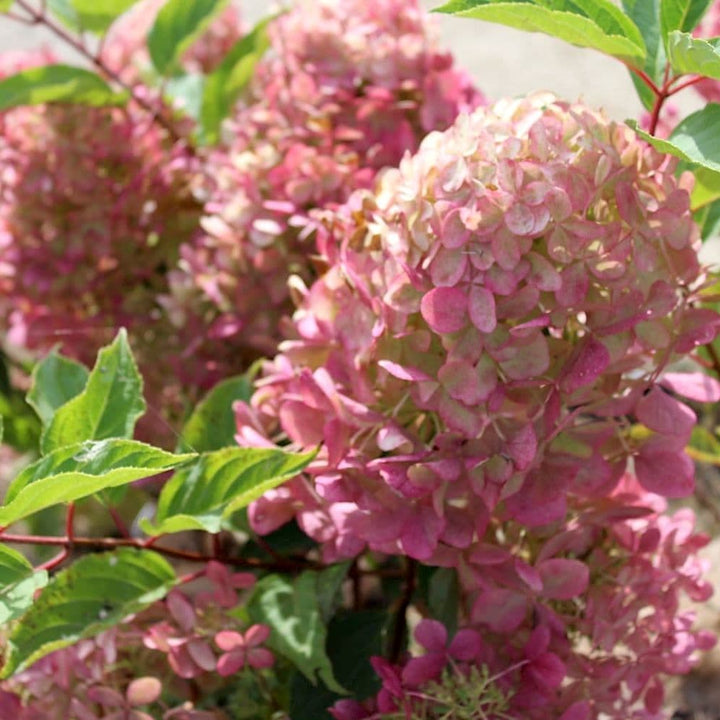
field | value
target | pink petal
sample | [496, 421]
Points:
[563, 578]
[108, 697]
[466, 645]
[577, 711]
[402, 372]
[432, 635]
[257, 635]
[202, 654]
[502, 610]
[481, 307]
[664, 414]
[229, 640]
[444, 309]
[548, 671]
[694, 386]
[420, 670]
[522, 447]
[665, 472]
[181, 610]
[143, 691]
[230, 663]
[587, 364]
[260, 658]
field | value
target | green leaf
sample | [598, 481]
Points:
[18, 583]
[292, 609]
[55, 380]
[178, 24]
[2, 428]
[97, 592]
[98, 15]
[310, 701]
[227, 82]
[646, 15]
[353, 638]
[704, 446]
[185, 92]
[212, 423]
[77, 471]
[444, 597]
[64, 11]
[218, 484]
[708, 218]
[57, 84]
[6, 5]
[108, 407]
[694, 139]
[706, 189]
[693, 56]
[681, 15]
[596, 24]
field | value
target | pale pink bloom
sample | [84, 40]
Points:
[243, 650]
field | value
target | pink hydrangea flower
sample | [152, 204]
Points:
[494, 320]
[345, 90]
[493, 325]
[95, 204]
[243, 650]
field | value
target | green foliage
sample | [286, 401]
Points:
[98, 15]
[228, 81]
[708, 218]
[211, 426]
[55, 381]
[94, 594]
[443, 597]
[310, 701]
[681, 15]
[94, 16]
[77, 471]
[646, 15]
[693, 140]
[186, 92]
[218, 484]
[22, 428]
[109, 405]
[353, 638]
[57, 84]
[294, 611]
[704, 446]
[689, 55]
[18, 584]
[178, 24]
[597, 24]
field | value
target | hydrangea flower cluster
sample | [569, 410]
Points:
[94, 204]
[103, 677]
[345, 90]
[483, 357]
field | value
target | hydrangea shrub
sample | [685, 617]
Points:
[486, 342]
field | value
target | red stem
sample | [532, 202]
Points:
[69, 518]
[686, 84]
[122, 528]
[645, 78]
[55, 561]
[113, 543]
